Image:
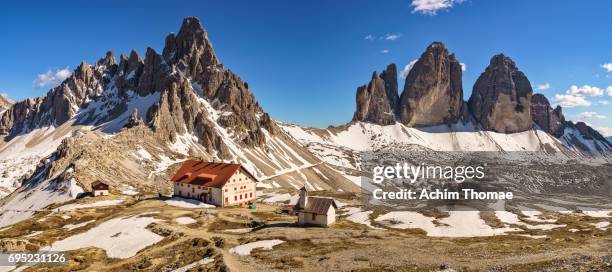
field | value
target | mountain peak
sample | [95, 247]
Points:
[436, 45]
[191, 25]
[107, 60]
[377, 101]
[190, 42]
[502, 60]
[433, 92]
[501, 97]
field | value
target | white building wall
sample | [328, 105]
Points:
[189, 190]
[239, 189]
[331, 216]
[239, 185]
[305, 218]
[100, 192]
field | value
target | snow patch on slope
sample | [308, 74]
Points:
[367, 137]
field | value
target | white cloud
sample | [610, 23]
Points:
[51, 77]
[384, 51]
[609, 89]
[369, 38]
[607, 66]
[542, 87]
[431, 7]
[590, 115]
[392, 37]
[463, 66]
[585, 90]
[407, 68]
[570, 101]
[604, 102]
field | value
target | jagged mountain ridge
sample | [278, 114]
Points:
[187, 57]
[502, 101]
[184, 91]
[128, 123]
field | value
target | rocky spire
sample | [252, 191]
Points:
[134, 120]
[433, 93]
[107, 60]
[389, 75]
[376, 102]
[129, 70]
[154, 74]
[501, 97]
[548, 119]
[190, 49]
[134, 62]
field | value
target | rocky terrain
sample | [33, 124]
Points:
[132, 233]
[130, 122]
[502, 101]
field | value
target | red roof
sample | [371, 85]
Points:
[209, 174]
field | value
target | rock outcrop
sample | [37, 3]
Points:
[134, 120]
[433, 92]
[501, 97]
[548, 119]
[129, 72]
[377, 102]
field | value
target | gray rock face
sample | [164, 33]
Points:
[433, 93]
[550, 120]
[600, 143]
[130, 70]
[191, 52]
[154, 74]
[501, 97]
[61, 102]
[179, 111]
[377, 102]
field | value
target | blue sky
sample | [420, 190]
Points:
[304, 60]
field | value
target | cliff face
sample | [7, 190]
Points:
[501, 97]
[191, 53]
[550, 120]
[433, 92]
[432, 95]
[377, 102]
